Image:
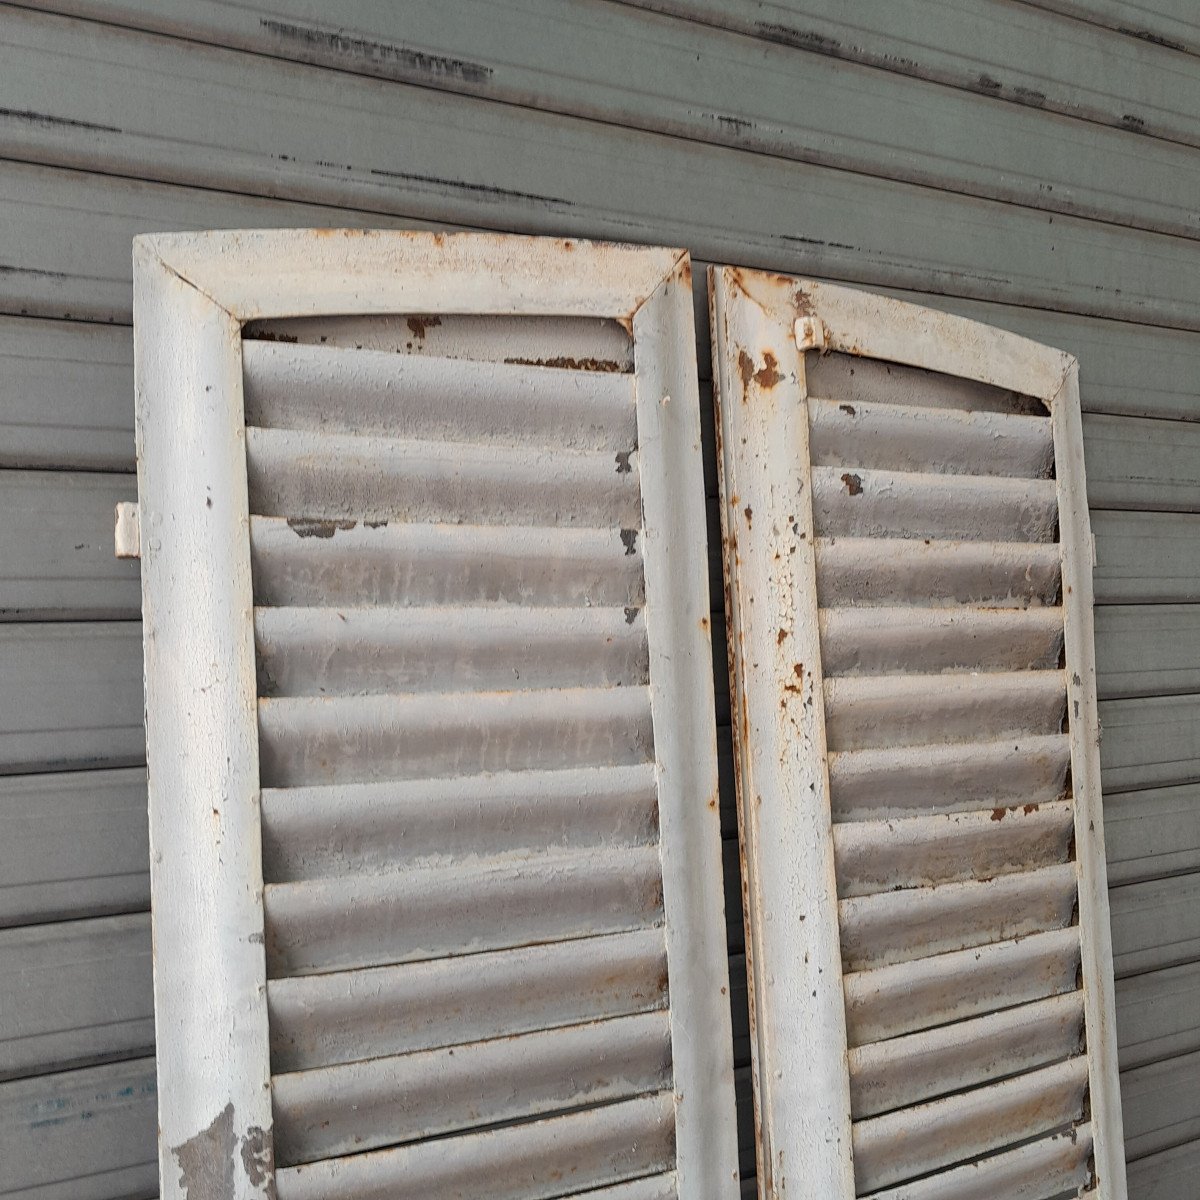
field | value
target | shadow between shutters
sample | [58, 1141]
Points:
[433, 780]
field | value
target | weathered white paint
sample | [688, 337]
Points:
[482, 715]
[1083, 723]
[802, 1097]
[925, 761]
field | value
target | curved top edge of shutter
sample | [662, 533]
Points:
[874, 326]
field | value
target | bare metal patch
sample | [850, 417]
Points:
[206, 1161]
[258, 1159]
[307, 527]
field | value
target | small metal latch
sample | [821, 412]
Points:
[810, 333]
[127, 538]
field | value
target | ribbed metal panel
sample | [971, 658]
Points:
[418, 738]
[481, 799]
[917, 650]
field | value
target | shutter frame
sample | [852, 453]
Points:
[193, 293]
[762, 326]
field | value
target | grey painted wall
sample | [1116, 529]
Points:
[1033, 165]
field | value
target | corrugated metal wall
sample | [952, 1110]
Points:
[1033, 165]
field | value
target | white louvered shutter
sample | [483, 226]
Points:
[908, 573]
[436, 857]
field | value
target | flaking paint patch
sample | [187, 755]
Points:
[564, 363]
[420, 326]
[258, 1159]
[206, 1160]
[307, 527]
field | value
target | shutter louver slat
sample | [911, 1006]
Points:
[321, 1020]
[301, 563]
[318, 388]
[907, 923]
[967, 775]
[354, 1107]
[536, 1160]
[352, 739]
[430, 822]
[869, 711]
[902, 508]
[929, 574]
[342, 651]
[948, 1058]
[873, 641]
[911, 852]
[325, 476]
[1040, 1170]
[338, 922]
[850, 501]
[489, 914]
[902, 438]
[890, 1001]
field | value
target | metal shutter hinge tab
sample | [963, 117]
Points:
[127, 534]
[810, 333]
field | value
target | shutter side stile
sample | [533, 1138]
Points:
[1084, 722]
[202, 742]
[682, 702]
[769, 554]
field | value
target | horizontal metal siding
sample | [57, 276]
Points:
[1014, 54]
[1162, 1108]
[75, 992]
[75, 842]
[66, 395]
[71, 377]
[73, 695]
[1157, 1015]
[56, 556]
[81, 1135]
[548, 173]
[1170, 23]
[836, 114]
[1167, 1175]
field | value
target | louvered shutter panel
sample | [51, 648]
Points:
[436, 856]
[908, 577]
